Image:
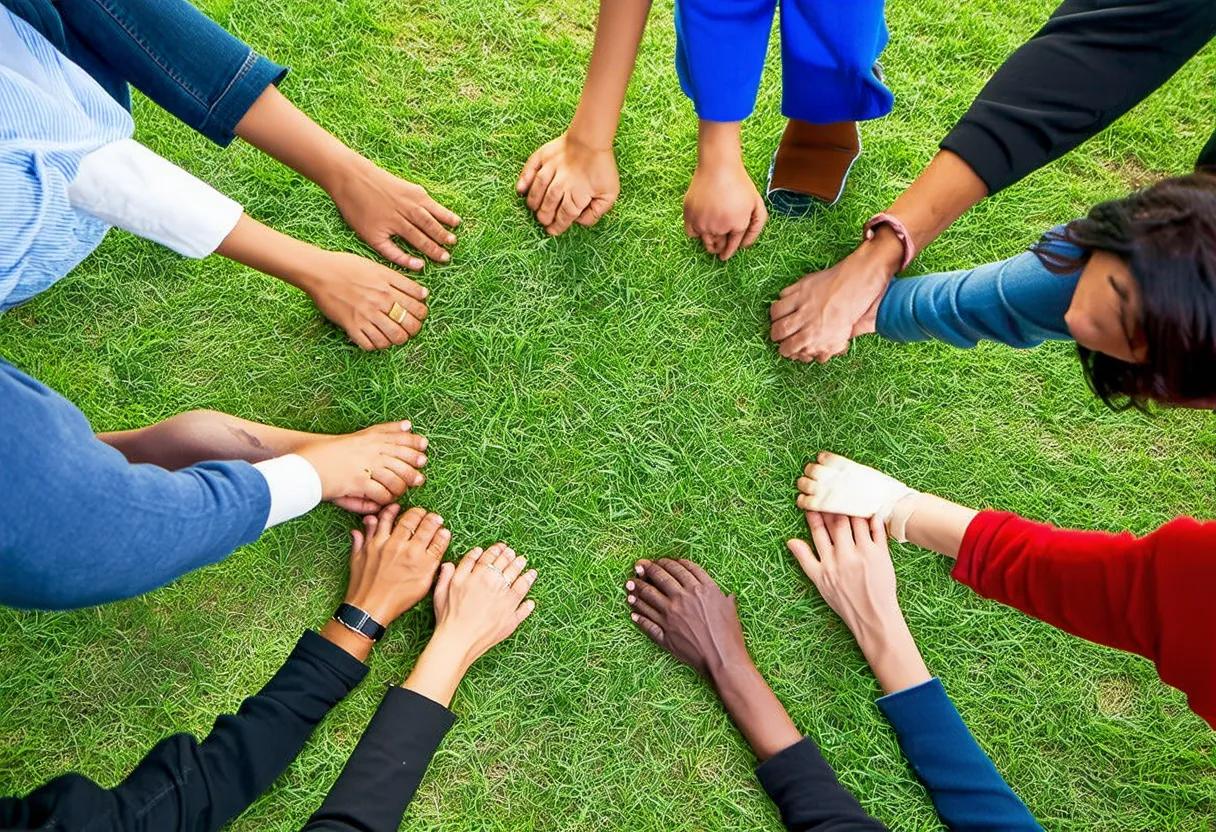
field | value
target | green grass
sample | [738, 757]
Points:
[606, 396]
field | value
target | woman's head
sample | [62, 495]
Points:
[1144, 313]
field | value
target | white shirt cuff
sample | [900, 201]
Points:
[125, 184]
[295, 487]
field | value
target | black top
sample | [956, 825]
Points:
[1092, 62]
[806, 790]
[183, 784]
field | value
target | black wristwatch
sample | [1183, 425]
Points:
[353, 618]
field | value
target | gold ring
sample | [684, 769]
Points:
[397, 313]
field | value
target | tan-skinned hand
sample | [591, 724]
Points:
[569, 182]
[393, 565]
[723, 209]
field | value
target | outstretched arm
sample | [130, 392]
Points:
[851, 567]
[574, 177]
[682, 610]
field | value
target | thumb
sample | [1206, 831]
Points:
[356, 541]
[806, 558]
[444, 584]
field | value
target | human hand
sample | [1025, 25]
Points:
[723, 208]
[363, 471]
[481, 601]
[380, 206]
[358, 294]
[816, 317]
[679, 606]
[567, 181]
[392, 566]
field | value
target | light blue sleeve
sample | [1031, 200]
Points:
[968, 792]
[1016, 302]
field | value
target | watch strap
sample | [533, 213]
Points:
[359, 621]
[900, 230]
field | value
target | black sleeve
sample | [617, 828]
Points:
[383, 773]
[1092, 62]
[184, 784]
[806, 790]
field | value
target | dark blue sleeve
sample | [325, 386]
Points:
[1017, 302]
[968, 792]
[80, 525]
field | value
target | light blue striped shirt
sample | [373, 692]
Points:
[52, 115]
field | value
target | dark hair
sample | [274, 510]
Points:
[1166, 234]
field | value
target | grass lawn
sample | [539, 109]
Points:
[606, 396]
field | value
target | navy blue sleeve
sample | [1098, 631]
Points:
[80, 525]
[811, 799]
[969, 793]
[1017, 302]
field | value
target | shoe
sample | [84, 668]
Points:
[811, 165]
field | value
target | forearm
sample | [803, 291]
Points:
[755, 709]
[943, 192]
[617, 39]
[719, 142]
[271, 252]
[936, 524]
[280, 129]
[891, 652]
[439, 669]
[198, 435]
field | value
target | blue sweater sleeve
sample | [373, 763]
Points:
[968, 792]
[79, 525]
[1016, 302]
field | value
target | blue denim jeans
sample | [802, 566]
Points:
[1016, 302]
[167, 49]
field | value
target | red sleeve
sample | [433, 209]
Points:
[1151, 595]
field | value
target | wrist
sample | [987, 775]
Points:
[730, 673]
[719, 143]
[591, 132]
[356, 644]
[454, 647]
[883, 252]
[337, 167]
[892, 654]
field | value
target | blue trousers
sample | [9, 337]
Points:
[828, 52]
[79, 525]
[1015, 301]
[167, 49]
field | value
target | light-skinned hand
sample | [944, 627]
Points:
[569, 182]
[482, 600]
[393, 565]
[367, 470]
[357, 294]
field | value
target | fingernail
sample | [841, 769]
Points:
[630, 599]
[445, 257]
[639, 570]
[416, 264]
[629, 585]
[523, 562]
[406, 426]
[426, 293]
[421, 459]
[451, 239]
[425, 443]
[634, 616]
[440, 519]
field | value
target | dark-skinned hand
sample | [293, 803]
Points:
[679, 606]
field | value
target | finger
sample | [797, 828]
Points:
[514, 568]
[428, 225]
[642, 607]
[410, 304]
[360, 340]
[689, 230]
[782, 307]
[389, 250]
[548, 206]
[656, 600]
[439, 546]
[531, 168]
[678, 572]
[504, 558]
[540, 187]
[648, 627]
[390, 481]
[524, 585]
[593, 212]
[712, 243]
[411, 288]
[806, 502]
[806, 558]
[567, 212]
[861, 529]
[806, 485]
[413, 235]
[470, 560]
[697, 571]
[840, 531]
[759, 218]
[731, 245]
[408, 524]
[375, 336]
[427, 529]
[878, 530]
[444, 215]
[446, 571]
[662, 579]
[370, 522]
[525, 609]
[821, 537]
[356, 540]
[403, 469]
[392, 330]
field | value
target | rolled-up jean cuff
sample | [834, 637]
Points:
[254, 76]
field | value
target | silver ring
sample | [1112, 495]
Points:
[501, 574]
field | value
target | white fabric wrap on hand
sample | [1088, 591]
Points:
[846, 487]
[126, 185]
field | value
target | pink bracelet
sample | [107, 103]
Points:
[900, 231]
